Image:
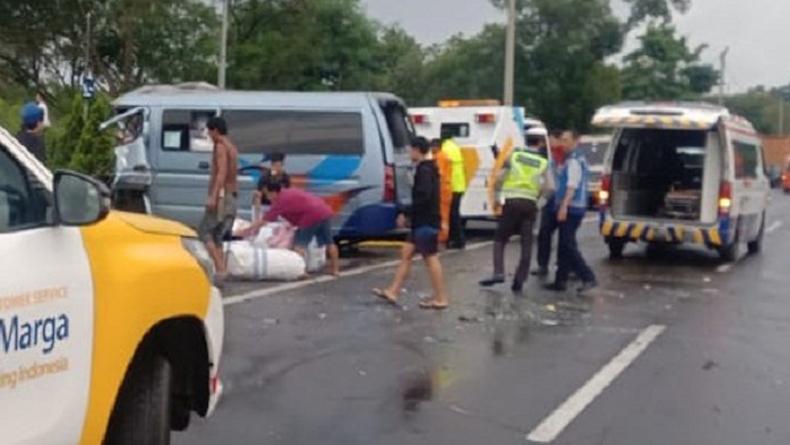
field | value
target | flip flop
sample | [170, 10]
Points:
[431, 305]
[384, 296]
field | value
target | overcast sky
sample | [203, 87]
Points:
[755, 30]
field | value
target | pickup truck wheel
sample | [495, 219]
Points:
[142, 412]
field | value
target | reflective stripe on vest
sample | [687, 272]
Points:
[458, 175]
[523, 178]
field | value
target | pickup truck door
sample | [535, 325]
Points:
[46, 314]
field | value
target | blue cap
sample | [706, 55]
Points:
[32, 114]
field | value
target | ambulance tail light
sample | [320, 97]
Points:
[389, 183]
[420, 119]
[725, 198]
[605, 192]
[485, 118]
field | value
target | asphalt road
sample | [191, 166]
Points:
[674, 348]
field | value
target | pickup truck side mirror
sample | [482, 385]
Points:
[79, 199]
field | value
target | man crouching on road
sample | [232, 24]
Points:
[222, 195]
[425, 223]
[310, 214]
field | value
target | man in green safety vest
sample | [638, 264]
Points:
[457, 239]
[524, 179]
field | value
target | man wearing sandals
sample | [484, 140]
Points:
[425, 220]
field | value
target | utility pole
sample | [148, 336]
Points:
[722, 73]
[510, 52]
[223, 45]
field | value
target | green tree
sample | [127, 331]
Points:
[302, 45]
[400, 65]
[566, 42]
[78, 144]
[760, 106]
[665, 68]
[642, 10]
[42, 44]
[466, 68]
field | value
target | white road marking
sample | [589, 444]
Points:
[261, 293]
[774, 227]
[556, 422]
[724, 268]
[590, 219]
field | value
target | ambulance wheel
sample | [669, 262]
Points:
[731, 252]
[616, 248]
[142, 412]
[757, 245]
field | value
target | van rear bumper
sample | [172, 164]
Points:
[672, 233]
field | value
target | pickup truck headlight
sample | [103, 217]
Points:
[198, 250]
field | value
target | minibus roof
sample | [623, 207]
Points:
[202, 95]
[667, 115]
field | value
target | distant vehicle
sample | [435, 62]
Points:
[774, 174]
[483, 129]
[682, 173]
[349, 148]
[786, 176]
[110, 328]
[594, 147]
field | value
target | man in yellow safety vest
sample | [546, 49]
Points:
[458, 180]
[525, 177]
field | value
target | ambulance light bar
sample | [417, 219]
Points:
[468, 103]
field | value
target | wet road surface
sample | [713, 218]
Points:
[673, 348]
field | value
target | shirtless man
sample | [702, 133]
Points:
[222, 194]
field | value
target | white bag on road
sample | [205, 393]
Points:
[251, 262]
[316, 257]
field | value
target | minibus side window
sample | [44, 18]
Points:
[296, 132]
[22, 201]
[185, 130]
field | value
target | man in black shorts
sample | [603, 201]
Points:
[424, 237]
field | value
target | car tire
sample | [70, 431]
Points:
[142, 413]
[757, 245]
[616, 248]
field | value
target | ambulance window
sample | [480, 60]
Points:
[459, 130]
[747, 161]
[22, 205]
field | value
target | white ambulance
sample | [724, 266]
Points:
[110, 329]
[682, 173]
[483, 129]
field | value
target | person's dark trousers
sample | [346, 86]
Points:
[457, 239]
[568, 256]
[548, 225]
[518, 218]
